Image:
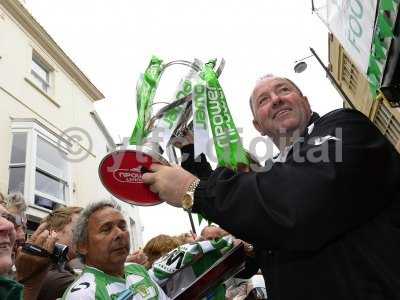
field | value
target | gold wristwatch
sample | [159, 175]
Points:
[187, 200]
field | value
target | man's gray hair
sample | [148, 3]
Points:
[81, 228]
[272, 76]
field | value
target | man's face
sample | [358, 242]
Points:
[107, 245]
[7, 239]
[213, 233]
[279, 109]
[65, 235]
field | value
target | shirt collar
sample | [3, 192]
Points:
[282, 156]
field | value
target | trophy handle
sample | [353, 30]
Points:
[220, 67]
[185, 99]
[187, 63]
[178, 102]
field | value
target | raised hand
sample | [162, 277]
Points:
[29, 265]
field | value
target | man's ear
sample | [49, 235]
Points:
[82, 248]
[308, 103]
[258, 127]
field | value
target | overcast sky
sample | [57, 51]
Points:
[112, 42]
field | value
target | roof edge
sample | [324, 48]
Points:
[27, 21]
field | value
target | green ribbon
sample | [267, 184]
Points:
[145, 94]
[384, 29]
[373, 80]
[374, 67]
[387, 5]
[373, 90]
[385, 26]
[373, 84]
[379, 49]
[230, 152]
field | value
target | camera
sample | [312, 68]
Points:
[60, 252]
[59, 255]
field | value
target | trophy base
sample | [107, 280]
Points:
[121, 174]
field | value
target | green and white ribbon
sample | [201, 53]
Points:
[200, 117]
[381, 41]
[146, 90]
[183, 265]
[226, 138]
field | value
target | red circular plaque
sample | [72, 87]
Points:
[121, 174]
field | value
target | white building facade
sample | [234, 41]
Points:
[51, 137]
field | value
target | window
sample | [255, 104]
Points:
[350, 75]
[17, 163]
[40, 73]
[50, 175]
[387, 123]
[38, 166]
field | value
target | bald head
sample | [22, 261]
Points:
[213, 232]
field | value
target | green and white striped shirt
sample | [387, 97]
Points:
[95, 284]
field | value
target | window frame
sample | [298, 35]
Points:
[34, 129]
[349, 74]
[13, 165]
[45, 86]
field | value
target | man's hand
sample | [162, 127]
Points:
[28, 265]
[137, 257]
[248, 248]
[170, 183]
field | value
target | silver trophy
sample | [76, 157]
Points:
[121, 170]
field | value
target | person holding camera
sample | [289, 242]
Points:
[60, 275]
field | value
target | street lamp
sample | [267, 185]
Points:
[301, 66]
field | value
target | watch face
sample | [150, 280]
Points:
[187, 201]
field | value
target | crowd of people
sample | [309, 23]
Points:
[97, 258]
[321, 221]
